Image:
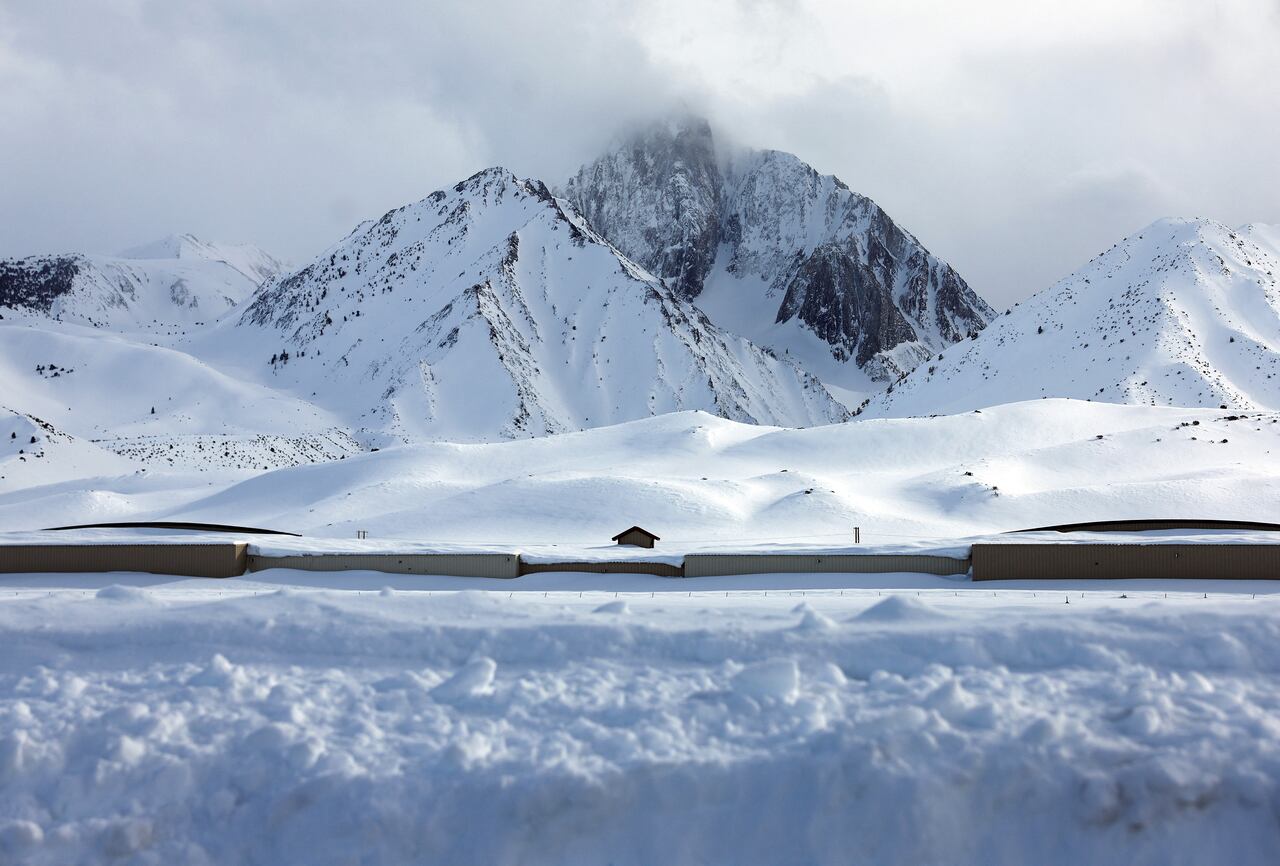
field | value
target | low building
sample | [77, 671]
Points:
[636, 537]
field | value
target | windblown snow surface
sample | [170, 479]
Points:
[272, 722]
[696, 479]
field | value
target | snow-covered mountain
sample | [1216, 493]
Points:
[1184, 313]
[1266, 236]
[175, 283]
[493, 310]
[773, 250]
[249, 259]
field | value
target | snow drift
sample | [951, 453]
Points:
[153, 725]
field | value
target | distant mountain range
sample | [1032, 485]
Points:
[172, 283]
[253, 262]
[671, 273]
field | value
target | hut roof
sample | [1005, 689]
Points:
[635, 529]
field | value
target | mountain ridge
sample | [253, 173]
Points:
[500, 300]
[175, 283]
[249, 259]
[1185, 312]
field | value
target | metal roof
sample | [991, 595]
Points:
[169, 524]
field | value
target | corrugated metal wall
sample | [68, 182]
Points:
[186, 560]
[1126, 561]
[451, 564]
[713, 564]
[661, 569]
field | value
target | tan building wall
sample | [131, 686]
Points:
[714, 564]
[504, 565]
[185, 560]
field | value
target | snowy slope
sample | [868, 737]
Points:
[1184, 313]
[96, 384]
[700, 481]
[491, 310]
[252, 261]
[1264, 235]
[111, 403]
[165, 288]
[771, 249]
[34, 453]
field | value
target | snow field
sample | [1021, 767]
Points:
[275, 721]
[700, 481]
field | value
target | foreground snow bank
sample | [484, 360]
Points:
[158, 726]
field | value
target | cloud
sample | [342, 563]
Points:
[1014, 139]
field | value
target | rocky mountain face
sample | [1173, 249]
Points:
[657, 198]
[772, 249]
[35, 283]
[1183, 313]
[172, 284]
[492, 310]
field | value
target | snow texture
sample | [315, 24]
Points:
[278, 723]
[702, 483]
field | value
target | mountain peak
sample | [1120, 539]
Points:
[179, 246]
[770, 248]
[485, 177]
[250, 260]
[491, 310]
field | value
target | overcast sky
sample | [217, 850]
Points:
[1015, 139]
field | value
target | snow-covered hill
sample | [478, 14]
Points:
[166, 287]
[109, 402]
[1184, 313]
[34, 453]
[492, 310]
[697, 480]
[101, 385]
[770, 249]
